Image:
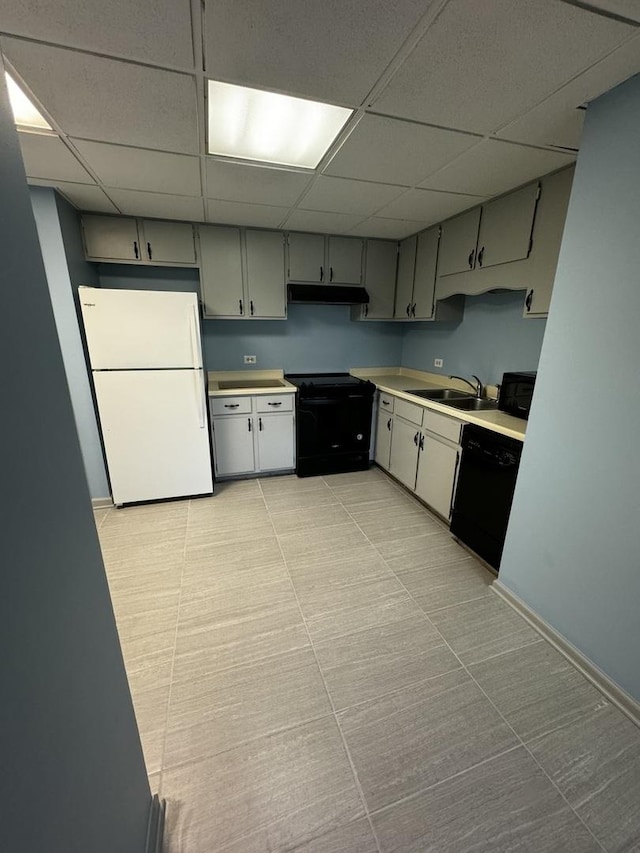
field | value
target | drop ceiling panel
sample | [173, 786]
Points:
[557, 121]
[343, 196]
[237, 213]
[102, 99]
[84, 197]
[254, 184]
[157, 32]
[428, 206]
[396, 152]
[325, 223]
[493, 167]
[49, 157]
[333, 51]
[135, 203]
[391, 229]
[142, 169]
[483, 64]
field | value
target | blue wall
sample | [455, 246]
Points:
[313, 338]
[73, 777]
[59, 235]
[492, 338]
[572, 545]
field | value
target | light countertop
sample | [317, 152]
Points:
[280, 386]
[398, 380]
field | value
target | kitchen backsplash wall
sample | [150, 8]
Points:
[313, 338]
[492, 338]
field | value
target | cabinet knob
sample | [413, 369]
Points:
[135, 249]
[413, 310]
[149, 251]
[409, 310]
[240, 305]
[260, 424]
[480, 256]
[389, 424]
[249, 424]
[471, 256]
[251, 306]
[415, 439]
[421, 442]
[529, 300]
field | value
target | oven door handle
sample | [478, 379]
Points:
[318, 401]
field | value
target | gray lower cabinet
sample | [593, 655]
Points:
[242, 273]
[403, 460]
[384, 431]
[249, 438]
[437, 468]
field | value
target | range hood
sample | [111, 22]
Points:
[327, 294]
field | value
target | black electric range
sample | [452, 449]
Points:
[333, 422]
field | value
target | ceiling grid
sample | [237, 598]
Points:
[453, 102]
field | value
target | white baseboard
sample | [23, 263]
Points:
[613, 692]
[101, 503]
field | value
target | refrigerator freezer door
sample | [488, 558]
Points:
[155, 431]
[140, 329]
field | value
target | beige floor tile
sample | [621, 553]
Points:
[293, 786]
[291, 484]
[502, 806]
[430, 547]
[481, 629]
[200, 539]
[351, 494]
[309, 518]
[151, 708]
[153, 748]
[139, 651]
[154, 782]
[445, 585]
[354, 837]
[350, 478]
[326, 543]
[218, 712]
[132, 625]
[308, 499]
[227, 556]
[380, 660]
[232, 490]
[352, 565]
[154, 670]
[204, 580]
[409, 740]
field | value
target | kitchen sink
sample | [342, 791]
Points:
[442, 394]
[232, 384]
[473, 404]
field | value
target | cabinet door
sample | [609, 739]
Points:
[168, 242]
[437, 466]
[306, 257]
[403, 463]
[233, 445]
[458, 243]
[275, 442]
[381, 262]
[424, 282]
[265, 274]
[345, 260]
[221, 271]
[406, 271]
[111, 238]
[506, 227]
[384, 430]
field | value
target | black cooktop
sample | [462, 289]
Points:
[310, 382]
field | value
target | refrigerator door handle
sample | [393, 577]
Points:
[200, 399]
[193, 329]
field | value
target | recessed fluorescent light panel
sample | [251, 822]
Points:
[255, 125]
[25, 113]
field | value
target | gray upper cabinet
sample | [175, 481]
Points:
[424, 281]
[506, 227]
[458, 243]
[406, 272]
[265, 274]
[221, 271]
[306, 258]
[168, 242]
[148, 241]
[344, 260]
[381, 260]
[111, 238]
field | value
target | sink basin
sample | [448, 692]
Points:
[442, 394]
[473, 404]
[250, 383]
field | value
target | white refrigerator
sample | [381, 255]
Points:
[146, 359]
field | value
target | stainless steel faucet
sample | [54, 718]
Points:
[477, 385]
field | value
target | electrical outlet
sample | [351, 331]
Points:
[437, 362]
[250, 359]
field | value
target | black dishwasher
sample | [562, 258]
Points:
[486, 482]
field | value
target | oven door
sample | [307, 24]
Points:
[333, 425]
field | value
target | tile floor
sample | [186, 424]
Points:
[316, 666]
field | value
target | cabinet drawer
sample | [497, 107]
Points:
[409, 411]
[231, 405]
[386, 403]
[274, 403]
[448, 428]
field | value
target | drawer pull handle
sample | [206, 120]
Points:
[389, 424]
[275, 404]
[385, 402]
[231, 405]
[249, 424]
[415, 439]
[260, 424]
